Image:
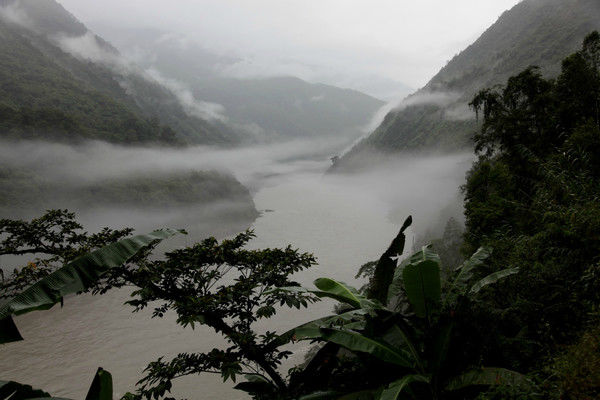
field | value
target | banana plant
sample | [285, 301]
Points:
[101, 389]
[76, 276]
[415, 339]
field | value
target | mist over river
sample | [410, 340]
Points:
[344, 220]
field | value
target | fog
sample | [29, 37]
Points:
[420, 185]
[279, 188]
[336, 42]
[88, 47]
[12, 13]
[345, 220]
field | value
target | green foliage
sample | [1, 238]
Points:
[226, 287]
[53, 239]
[421, 278]
[48, 93]
[533, 196]
[418, 345]
[384, 270]
[78, 275]
[101, 389]
[577, 370]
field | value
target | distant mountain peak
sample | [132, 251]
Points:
[533, 32]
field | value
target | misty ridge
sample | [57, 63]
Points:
[73, 170]
[369, 200]
[289, 107]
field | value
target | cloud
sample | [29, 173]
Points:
[382, 37]
[14, 14]
[459, 112]
[88, 47]
[192, 106]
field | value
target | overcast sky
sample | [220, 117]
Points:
[339, 42]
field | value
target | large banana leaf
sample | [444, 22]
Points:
[397, 286]
[358, 342]
[398, 338]
[102, 386]
[468, 267]
[421, 276]
[488, 377]
[17, 391]
[384, 270]
[76, 276]
[335, 290]
[395, 389]
[312, 329]
[362, 395]
[343, 293]
[256, 384]
[101, 389]
[492, 278]
[329, 395]
[9, 331]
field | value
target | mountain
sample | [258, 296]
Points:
[60, 81]
[437, 117]
[289, 107]
[272, 108]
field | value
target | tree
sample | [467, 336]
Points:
[532, 195]
[53, 239]
[409, 350]
[226, 287]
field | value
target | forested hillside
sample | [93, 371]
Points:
[437, 117]
[271, 108]
[52, 92]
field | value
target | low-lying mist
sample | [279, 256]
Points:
[345, 220]
[424, 186]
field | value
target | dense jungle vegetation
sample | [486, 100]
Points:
[518, 319]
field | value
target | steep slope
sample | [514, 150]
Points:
[288, 107]
[437, 117]
[268, 108]
[50, 90]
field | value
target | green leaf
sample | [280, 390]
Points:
[9, 331]
[358, 342]
[329, 395]
[101, 389]
[395, 389]
[362, 395]
[441, 344]
[468, 267]
[335, 290]
[398, 338]
[397, 285]
[102, 386]
[312, 329]
[256, 384]
[383, 274]
[76, 276]
[493, 278]
[421, 276]
[340, 292]
[488, 377]
[17, 391]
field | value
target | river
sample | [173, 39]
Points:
[343, 221]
